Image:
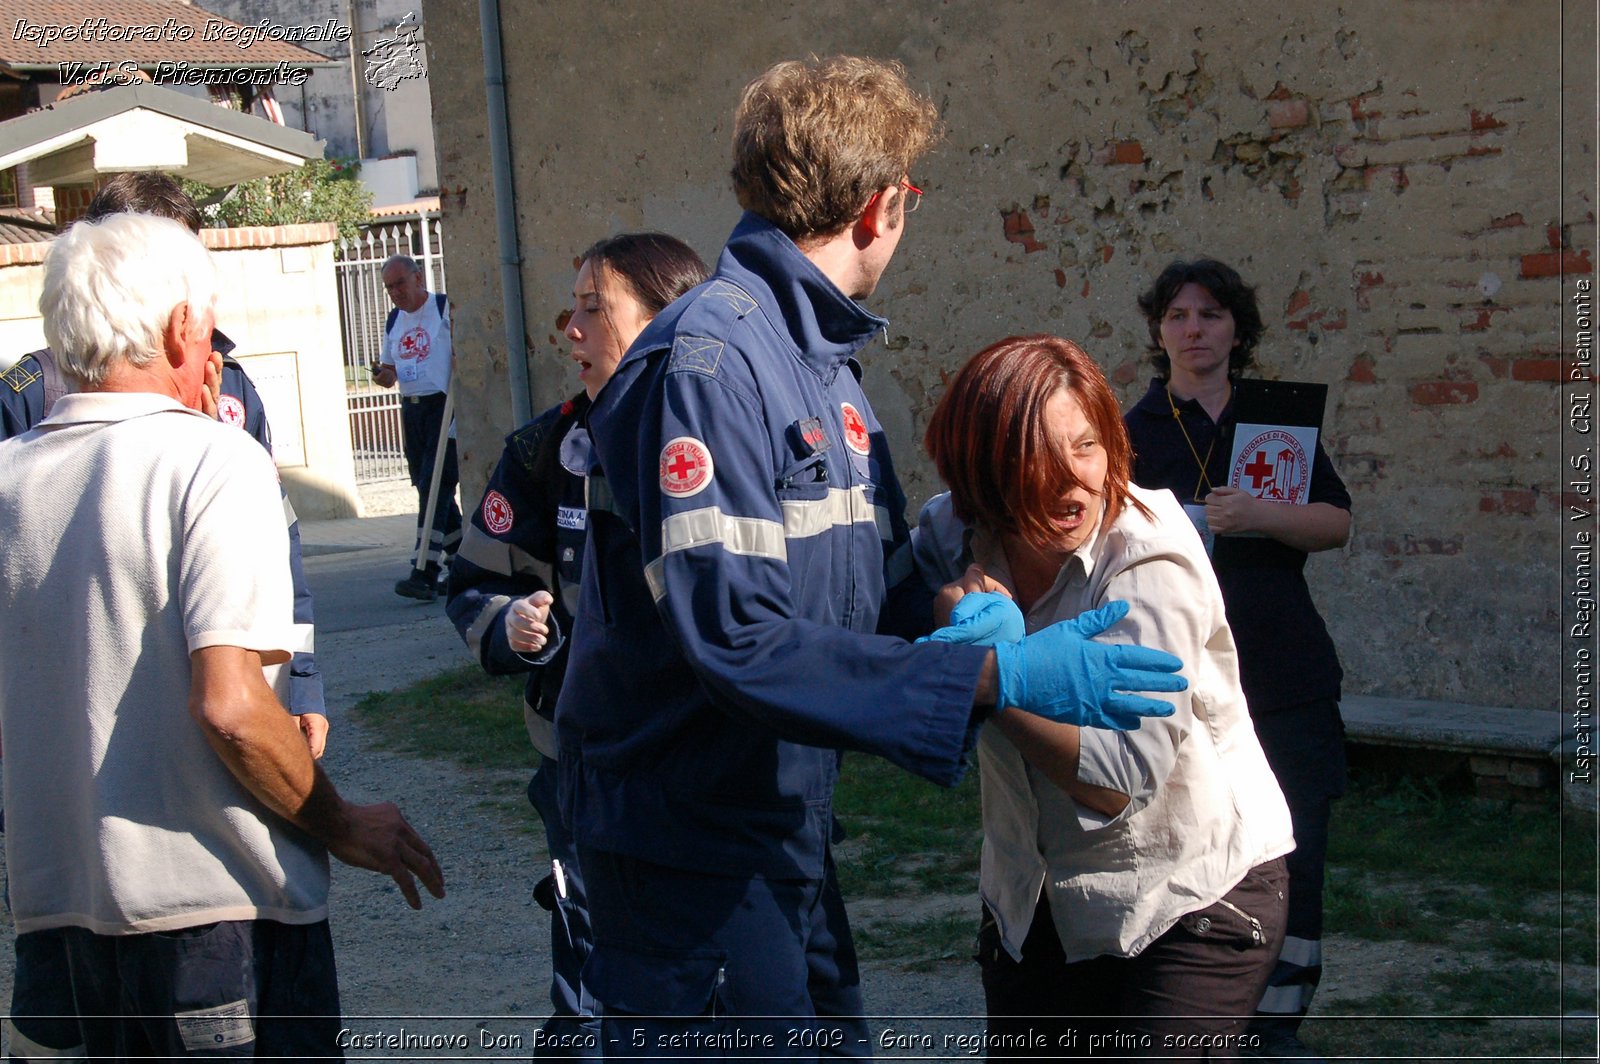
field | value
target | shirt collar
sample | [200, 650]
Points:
[83, 408]
[826, 326]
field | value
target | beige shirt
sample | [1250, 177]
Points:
[136, 532]
[1205, 807]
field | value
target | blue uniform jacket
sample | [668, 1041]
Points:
[527, 534]
[22, 406]
[740, 516]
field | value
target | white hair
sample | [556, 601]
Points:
[110, 288]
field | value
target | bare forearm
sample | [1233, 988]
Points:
[1314, 527]
[260, 744]
[1053, 749]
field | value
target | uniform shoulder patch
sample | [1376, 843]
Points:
[22, 376]
[695, 354]
[730, 293]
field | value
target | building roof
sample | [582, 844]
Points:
[146, 127]
[39, 35]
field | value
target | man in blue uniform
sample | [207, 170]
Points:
[742, 505]
[43, 1023]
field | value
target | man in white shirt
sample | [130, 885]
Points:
[416, 356]
[163, 810]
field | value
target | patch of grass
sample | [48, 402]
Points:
[462, 716]
[904, 834]
[919, 945]
[1409, 827]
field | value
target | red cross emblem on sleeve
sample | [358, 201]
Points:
[855, 429]
[230, 411]
[497, 516]
[686, 467]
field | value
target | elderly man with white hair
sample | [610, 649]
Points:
[163, 813]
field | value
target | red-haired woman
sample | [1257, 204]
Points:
[1132, 882]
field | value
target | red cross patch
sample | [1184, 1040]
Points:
[1273, 465]
[416, 344]
[686, 467]
[230, 411]
[497, 516]
[855, 430]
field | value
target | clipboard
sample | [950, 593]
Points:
[1276, 425]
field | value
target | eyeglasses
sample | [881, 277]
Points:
[913, 197]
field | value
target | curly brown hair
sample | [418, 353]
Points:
[814, 139]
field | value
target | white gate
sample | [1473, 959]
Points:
[363, 308]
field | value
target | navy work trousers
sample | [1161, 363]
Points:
[690, 964]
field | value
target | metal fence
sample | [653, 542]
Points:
[363, 307]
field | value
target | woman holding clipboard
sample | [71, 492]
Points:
[1204, 327]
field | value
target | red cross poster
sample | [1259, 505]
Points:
[1275, 438]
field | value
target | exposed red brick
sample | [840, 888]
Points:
[1552, 236]
[1520, 501]
[1555, 263]
[1359, 109]
[1414, 545]
[1444, 393]
[1126, 153]
[1368, 279]
[1279, 92]
[1482, 318]
[1061, 278]
[1086, 288]
[1288, 114]
[1299, 300]
[1508, 221]
[1497, 365]
[1484, 120]
[1335, 323]
[1019, 230]
[1106, 251]
[1482, 149]
[1536, 369]
[1361, 371]
[1125, 373]
[1576, 499]
[1385, 177]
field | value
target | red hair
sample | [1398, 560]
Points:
[988, 439]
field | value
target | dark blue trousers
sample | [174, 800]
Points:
[690, 964]
[572, 1029]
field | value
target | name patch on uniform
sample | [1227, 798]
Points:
[230, 410]
[571, 517]
[497, 515]
[686, 467]
[855, 429]
[808, 437]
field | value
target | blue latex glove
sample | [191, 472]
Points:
[982, 618]
[1060, 674]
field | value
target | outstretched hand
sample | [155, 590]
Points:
[378, 838]
[1061, 674]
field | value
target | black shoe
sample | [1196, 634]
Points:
[418, 586]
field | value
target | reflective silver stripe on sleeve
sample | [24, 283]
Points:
[289, 516]
[752, 536]
[842, 506]
[484, 551]
[479, 628]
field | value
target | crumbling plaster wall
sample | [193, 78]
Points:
[1385, 172]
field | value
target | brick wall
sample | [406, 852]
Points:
[1387, 173]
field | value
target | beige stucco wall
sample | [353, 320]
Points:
[278, 302]
[1386, 172]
